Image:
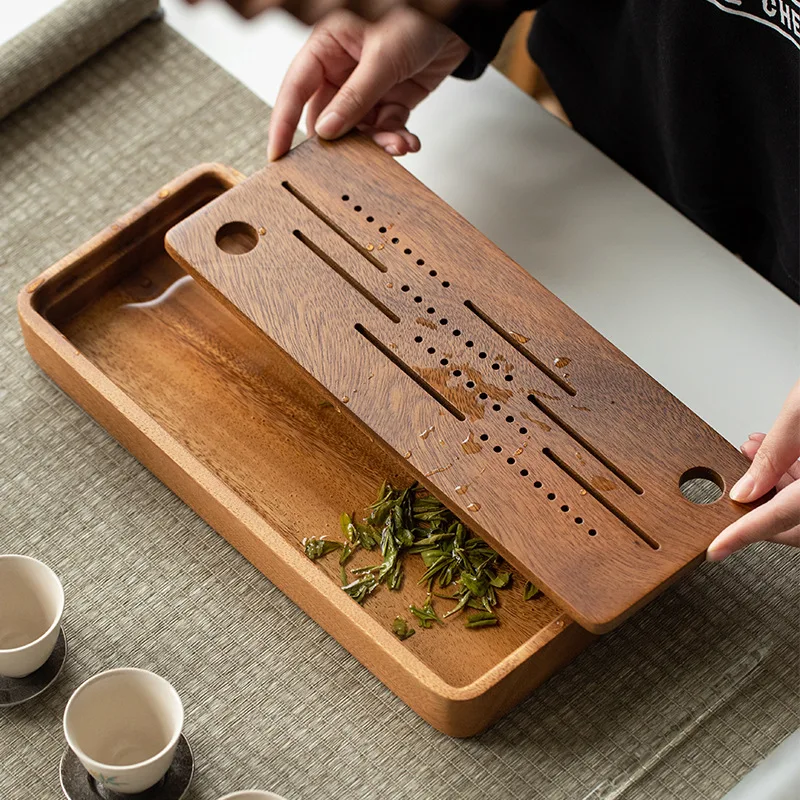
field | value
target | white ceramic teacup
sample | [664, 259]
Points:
[124, 726]
[251, 795]
[31, 607]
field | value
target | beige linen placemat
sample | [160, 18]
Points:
[60, 41]
[679, 703]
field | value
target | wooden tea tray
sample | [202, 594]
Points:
[237, 430]
[552, 444]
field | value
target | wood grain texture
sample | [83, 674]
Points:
[241, 433]
[552, 444]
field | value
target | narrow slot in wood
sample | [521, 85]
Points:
[523, 351]
[602, 499]
[585, 444]
[341, 272]
[418, 379]
[320, 215]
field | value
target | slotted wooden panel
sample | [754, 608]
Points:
[538, 432]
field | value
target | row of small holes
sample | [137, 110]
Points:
[395, 240]
[497, 448]
[457, 373]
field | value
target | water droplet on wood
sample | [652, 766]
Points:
[407, 454]
[470, 446]
[370, 247]
[427, 432]
[437, 470]
[518, 337]
[163, 193]
[561, 362]
[345, 399]
[474, 507]
[262, 230]
[462, 489]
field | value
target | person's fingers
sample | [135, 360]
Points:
[777, 520]
[318, 102]
[374, 75]
[302, 80]
[750, 448]
[392, 142]
[779, 450]
[393, 117]
[408, 93]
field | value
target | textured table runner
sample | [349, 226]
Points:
[678, 703]
[61, 40]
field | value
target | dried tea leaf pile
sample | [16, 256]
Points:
[402, 523]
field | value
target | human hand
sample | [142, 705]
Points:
[775, 465]
[311, 11]
[353, 73]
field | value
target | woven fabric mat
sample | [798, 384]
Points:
[60, 41]
[679, 703]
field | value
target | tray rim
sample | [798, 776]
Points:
[37, 329]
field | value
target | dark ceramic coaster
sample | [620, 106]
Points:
[14, 691]
[78, 784]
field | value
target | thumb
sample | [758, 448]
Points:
[776, 455]
[369, 82]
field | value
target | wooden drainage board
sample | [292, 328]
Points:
[548, 441]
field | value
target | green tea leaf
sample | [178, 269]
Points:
[426, 615]
[530, 591]
[316, 548]
[411, 522]
[501, 580]
[348, 529]
[483, 619]
[401, 629]
[361, 588]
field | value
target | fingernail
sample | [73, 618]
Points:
[392, 150]
[717, 554]
[330, 126]
[743, 488]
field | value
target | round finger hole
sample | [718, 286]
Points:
[237, 238]
[701, 485]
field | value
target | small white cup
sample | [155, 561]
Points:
[251, 795]
[31, 607]
[124, 726]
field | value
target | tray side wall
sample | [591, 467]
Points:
[457, 711]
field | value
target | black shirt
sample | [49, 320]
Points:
[698, 99]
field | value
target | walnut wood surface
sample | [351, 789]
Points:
[242, 434]
[551, 443]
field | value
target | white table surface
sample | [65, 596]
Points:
[717, 335]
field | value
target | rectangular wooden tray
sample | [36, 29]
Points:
[548, 441]
[236, 429]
